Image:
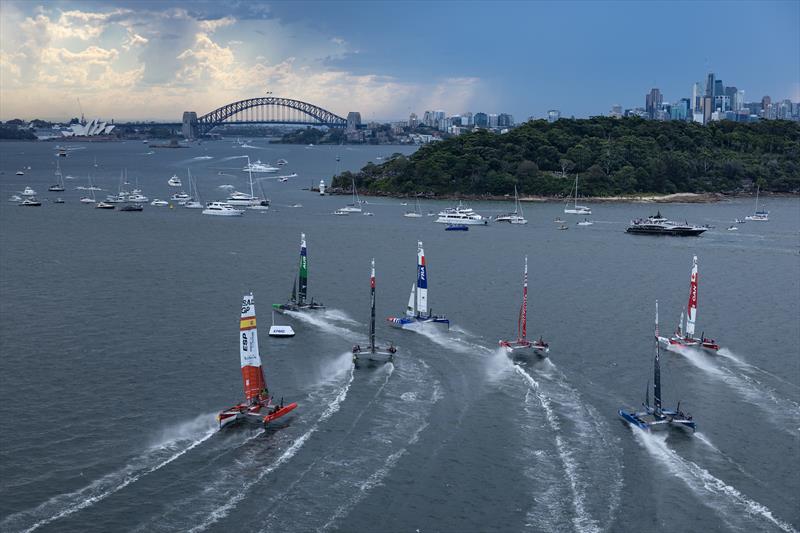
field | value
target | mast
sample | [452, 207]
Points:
[758, 190]
[657, 372]
[576, 190]
[691, 306]
[372, 304]
[522, 327]
[303, 278]
[422, 281]
[252, 373]
[59, 176]
[250, 173]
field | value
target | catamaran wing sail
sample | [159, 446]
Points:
[422, 281]
[411, 310]
[303, 285]
[523, 322]
[372, 305]
[252, 373]
[691, 306]
[657, 371]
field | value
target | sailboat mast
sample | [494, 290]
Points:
[657, 371]
[303, 277]
[523, 327]
[691, 306]
[372, 312]
[576, 190]
[250, 173]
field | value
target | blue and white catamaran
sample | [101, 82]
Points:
[418, 313]
[655, 417]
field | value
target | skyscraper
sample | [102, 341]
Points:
[653, 102]
[710, 85]
[553, 115]
[504, 120]
[481, 119]
[696, 97]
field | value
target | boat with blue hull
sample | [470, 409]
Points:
[655, 417]
[418, 313]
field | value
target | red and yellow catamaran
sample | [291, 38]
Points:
[257, 405]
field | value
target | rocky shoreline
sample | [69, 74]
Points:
[677, 198]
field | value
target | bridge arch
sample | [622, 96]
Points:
[269, 110]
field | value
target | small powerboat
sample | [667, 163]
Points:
[159, 203]
[456, 227]
[278, 330]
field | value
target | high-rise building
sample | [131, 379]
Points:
[616, 111]
[710, 85]
[427, 118]
[353, 120]
[466, 119]
[481, 119]
[504, 120]
[653, 102]
[719, 88]
[553, 115]
[696, 96]
[708, 108]
[766, 106]
[413, 121]
[739, 100]
[492, 120]
[438, 119]
[722, 103]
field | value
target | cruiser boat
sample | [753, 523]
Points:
[585, 222]
[341, 213]
[418, 313]
[461, 215]
[137, 197]
[174, 181]
[684, 335]
[659, 225]
[30, 201]
[373, 353]
[132, 207]
[59, 185]
[105, 205]
[355, 207]
[456, 227]
[515, 217]
[159, 203]
[180, 197]
[298, 302]
[522, 347]
[221, 209]
[19, 173]
[655, 417]
[257, 405]
[258, 166]
[28, 192]
[577, 209]
[758, 216]
[91, 188]
[281, 162]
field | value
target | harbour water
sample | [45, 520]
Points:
[118, 346]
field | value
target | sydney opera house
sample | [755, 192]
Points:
[92, 128]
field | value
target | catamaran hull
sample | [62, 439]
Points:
[698, 344]
[648, 422]
[417, 323]
[297, 308]
[524, 352]
[260, 414]
[378, 356]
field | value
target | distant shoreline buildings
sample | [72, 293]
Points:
[710, 104]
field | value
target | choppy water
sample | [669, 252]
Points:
[117, 333]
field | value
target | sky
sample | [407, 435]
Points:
[152, 60]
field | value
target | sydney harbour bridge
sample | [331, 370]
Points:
[261, 110]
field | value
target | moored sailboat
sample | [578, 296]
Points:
[522, 347]
[297, 302]
[515, 217]
[257, 405]
[758, 216]
[418, 313]
[373, 353]
[577, 209]
[655, 417]
[59, 185]
[684, 335]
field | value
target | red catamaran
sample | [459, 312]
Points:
[522, 347]
[684, 336]
[257, 405]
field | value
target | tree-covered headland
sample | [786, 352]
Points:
[612, 156]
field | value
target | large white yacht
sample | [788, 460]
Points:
[221, 209]
[461, 215]
[258, 166]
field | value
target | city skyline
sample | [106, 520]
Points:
[152, 60]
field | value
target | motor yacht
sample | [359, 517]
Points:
[461, 215]
[258, 166]
[159, 203]
[222, 209]
[174, 181]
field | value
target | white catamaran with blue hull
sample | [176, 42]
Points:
[373, 353]
[656, 417]
[418, 313]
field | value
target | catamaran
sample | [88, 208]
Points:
[373, 353]
[758, 216]
[257, 405]
[418, 313]
[515, 217]
[522, 347]
[355, 207]
[655, 417]
[577, 209]
[298, 302]
[684, 336]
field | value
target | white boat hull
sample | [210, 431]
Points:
[578, 211]
[465, 221]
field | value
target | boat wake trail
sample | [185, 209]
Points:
[323, 322]
[579, 433]
[744, 365]
[724, 499]
[174, 443]
[368, 450]
[458, 341]
[750, 388]
[341, 316]
[231, 486]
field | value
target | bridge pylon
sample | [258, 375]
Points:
[189, 127]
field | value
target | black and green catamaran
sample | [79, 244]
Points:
[298, 300]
